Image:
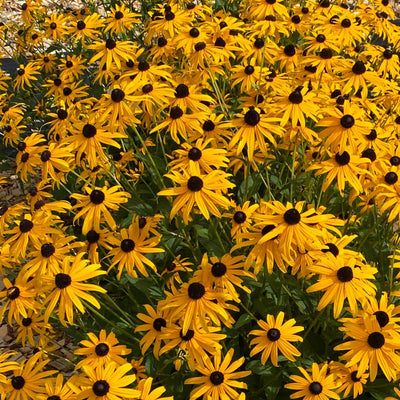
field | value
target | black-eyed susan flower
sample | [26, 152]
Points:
[68, 288]
[318, 385]
[372, 346]
[204, 191]
[276, 336]
[129, 253]
[107, 382]
[86, 27]
[197, 344]
[348, 380]
[56, 26]
[25, 75]
[120, 19]
[173, 268]
[56, 388]
[101, 350]
[95, 205]
[28, 378]
[154, 323]
[32, 325]
[219, 380]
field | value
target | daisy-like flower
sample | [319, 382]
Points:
[154, 322]
[348, 380]
[254, 128]
[241, 219]
[276, 335]
[319, 385]
[129, 253]
[67, 287]
[120, 19]
[219, 380]
[112, 51]
[195, 299]
[107, 382]
[206, 191]
[223, 274]
[372, 346]
[342, 278]
[146, 393]
[197, 344]
[86, 28]
[33, 324]
[87, 139]
[173, 268]
[56, 389]
[102, 350]
[95, 205]
[209, 158]
[55, 26]
[25, 75]
[28, 378]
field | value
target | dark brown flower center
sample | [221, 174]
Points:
[17, 382]
[252, 117]
[292, 216]
[273, 334]
[159, 323]
[92, 236]
[196, 290]
[102, 349]
[218, 269]
[97, 196]
[47, 250]
[189, 335]
[376, 340]
[347, 121]
[194, 154]
[391, 178]
[344, 274]
[217, 378]
[195, 184]
[62, 280]
[127, 245]
[342, 159]
[117, 95]
[239, 217]
[25, 225]
[100, 388]
[315, 388]
[89, 131]
[13, 292]
[382, 318]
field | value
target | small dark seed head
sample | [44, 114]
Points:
[39, 204]
[195, 184]
[159, 323]
[118, 15]
[391, 178]
[45, 156]
[147, 88]
[382, 318]
[189, 335]
[80, 25]
[369, 153]
[111, 44]
[395, 160]
[68, 64]
[332, 248]
[102, 349]
[252, 117]
[347, 121]
[296, 19]
[359, 68]
[208, 126]
[270, 18]
[194, 32]
[24, 6]
[376, 340]
[320, 38]
[223, 24]
[239, 217]
[181, 91]
[24, 157]
[117, 95]
[143, 66]
[326, 54]
[17, 382]
[20, 71]
[220, 42]
[62, 114]
[199, 46]
[62, 280]
[218, 269]
[346, 23]
[289, 50]
[100, 388]
[353, 376]
[344, 274]
[388, 54]
[305, 10]
[217, 377]
[161, 42]
[273, 334]
[171, 266]
[21, 146]
[13, 292]
[53, 25]
[67, 91]
[385, 2]
[315, 388]
[259, 43]
[194, 154]
[292, 216]
[26, 321]
[176, 112]
[89, 131]
[57, 82]
[127, 245]
[342, 159]
[47, 250]
[324, 3]
[196, 290]
[249, 70]
[92, 236]
[25, 225]
[296, 97]
[267, 229]
[372, 135]
[169, 16]
[97, 196]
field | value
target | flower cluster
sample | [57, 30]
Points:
[211, 199]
